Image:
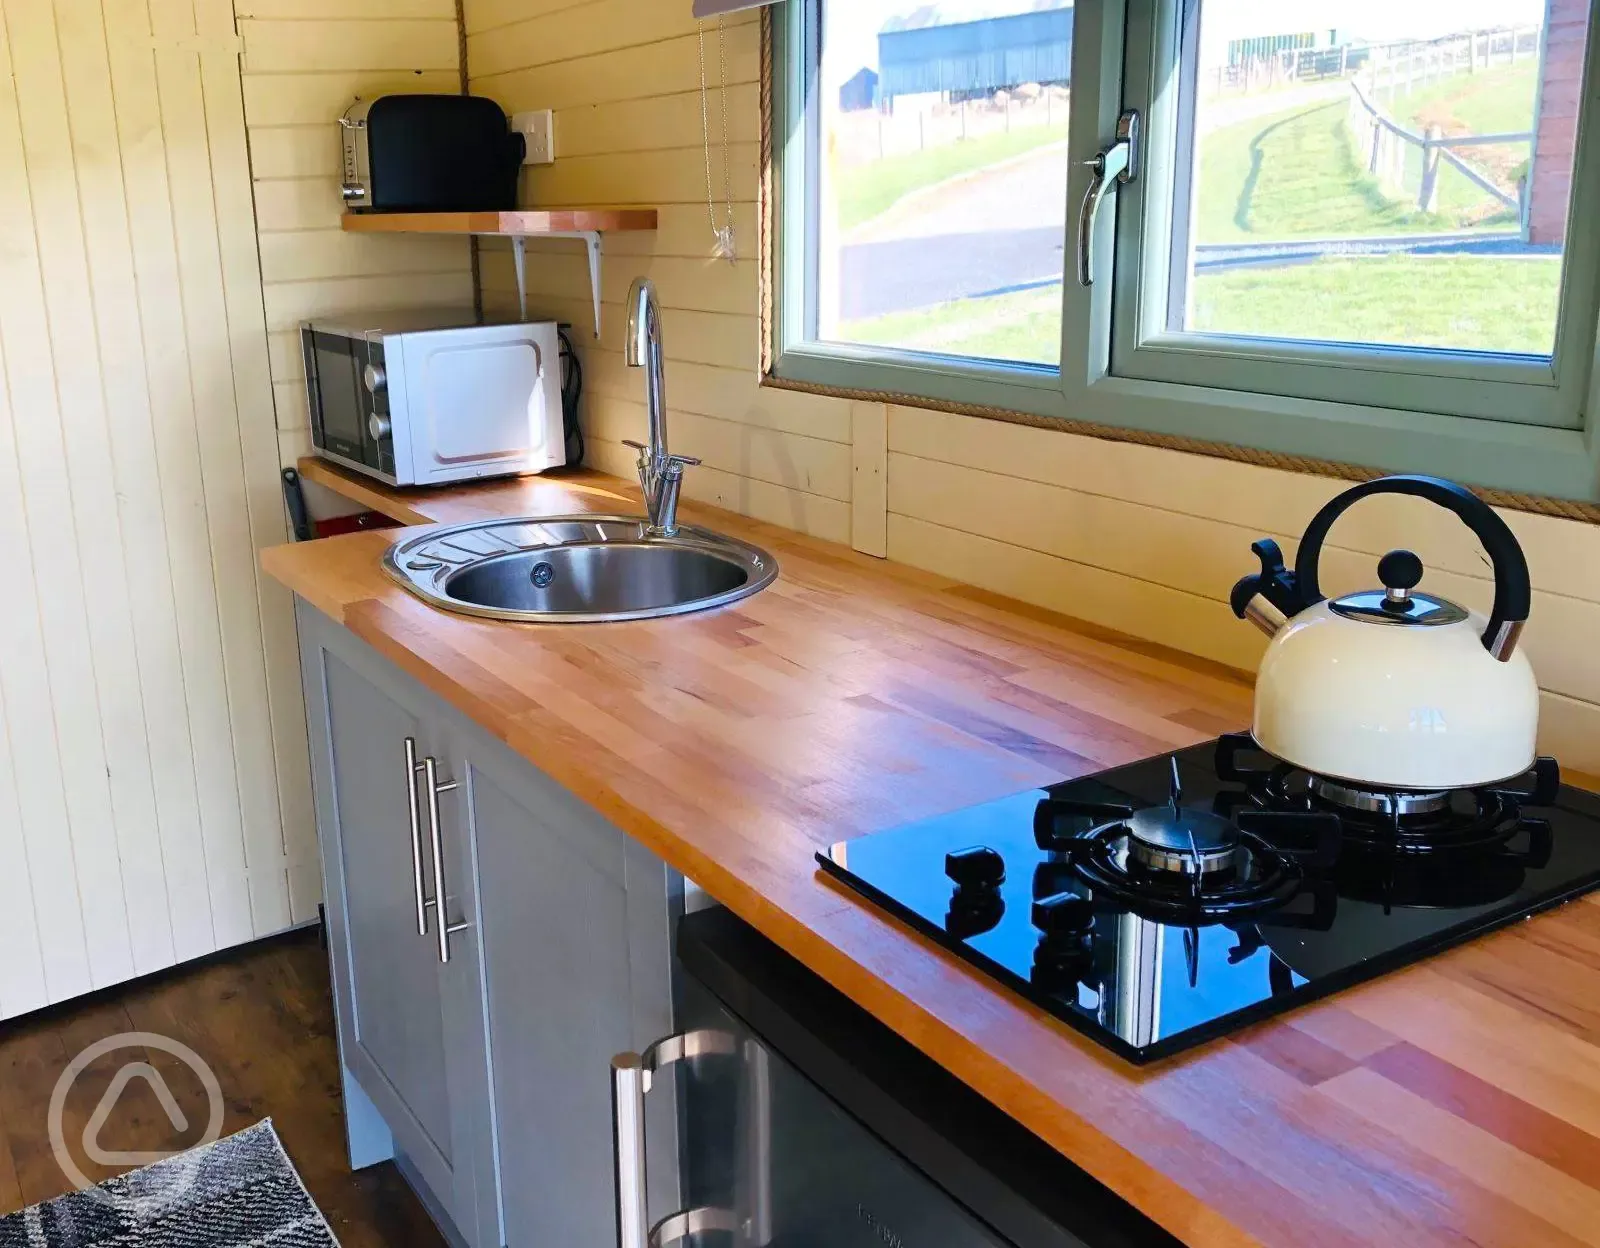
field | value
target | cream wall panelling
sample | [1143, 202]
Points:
[304, 62]
[623, 79]
[869, 496]
[154, 801]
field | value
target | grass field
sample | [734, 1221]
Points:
[1492, 101]
[866, 191]
[1296, 175]
[1465, 302]
[1025, 326]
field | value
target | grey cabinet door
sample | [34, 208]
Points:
[575, 941]
[402, 1011]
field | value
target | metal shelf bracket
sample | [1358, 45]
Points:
[519, 253]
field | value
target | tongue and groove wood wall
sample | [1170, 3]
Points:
[623, 78]
[304, 62]
[154, 796]
[145, 747]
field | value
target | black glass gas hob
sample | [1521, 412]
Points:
[1164, 903]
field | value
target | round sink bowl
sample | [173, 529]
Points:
[576, 569]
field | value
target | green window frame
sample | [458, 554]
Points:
[1507, 423]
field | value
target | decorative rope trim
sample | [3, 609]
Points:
[1535, 504]
[474, 250]
[765, 207]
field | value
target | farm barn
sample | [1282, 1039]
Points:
[928, 52]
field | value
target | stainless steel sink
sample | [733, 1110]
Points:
[576, 569]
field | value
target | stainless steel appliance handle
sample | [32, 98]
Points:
[1117, 165]
[414, 808]
[629, 1082]
[445, 928]
[631, 1077]
[758, 1142]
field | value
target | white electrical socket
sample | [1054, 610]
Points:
[539, 129]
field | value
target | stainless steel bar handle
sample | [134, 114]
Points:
[414, 806]
[445, 928]
[631, 1077]
[757, 1225]
[1115, 166]
[629, 1082]
[693, 1222]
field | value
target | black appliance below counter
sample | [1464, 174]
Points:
[1167, 902]
[816, 1126]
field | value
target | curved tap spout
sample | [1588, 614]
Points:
[644, 350]
[660, 471]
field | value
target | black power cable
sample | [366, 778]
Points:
[571, 395]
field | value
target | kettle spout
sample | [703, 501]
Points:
[1265, 616]
[1268, 598]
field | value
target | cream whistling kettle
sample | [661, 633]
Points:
[1388, 687]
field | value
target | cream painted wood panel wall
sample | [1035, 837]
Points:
[623, 79]
[305, 61]
[1151, 541]
[1142, 540]
[153, 792]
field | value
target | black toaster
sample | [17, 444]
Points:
[429, 153]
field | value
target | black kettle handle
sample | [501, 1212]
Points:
[1513, 592]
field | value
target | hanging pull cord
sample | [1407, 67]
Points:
[726, 244]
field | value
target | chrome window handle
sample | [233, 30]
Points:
[445, 928]
[631, 1077]
[414, 808]
[1117, 165]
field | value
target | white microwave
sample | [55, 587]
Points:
[422, 398]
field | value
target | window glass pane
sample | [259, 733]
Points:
[1384, 172]
[942, 208]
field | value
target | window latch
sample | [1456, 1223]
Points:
[1114, 166]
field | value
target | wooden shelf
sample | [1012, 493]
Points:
[530, 224]
[588, 224]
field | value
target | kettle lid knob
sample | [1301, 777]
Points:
[1400, 571]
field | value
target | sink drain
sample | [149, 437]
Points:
[543, 574]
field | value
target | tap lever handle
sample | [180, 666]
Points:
[683, 461]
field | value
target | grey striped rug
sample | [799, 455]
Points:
[241, 1192]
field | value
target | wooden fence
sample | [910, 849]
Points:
[1389, 67]
[1397, 68]
[1387, 145]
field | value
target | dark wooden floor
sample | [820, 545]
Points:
[262, 1018]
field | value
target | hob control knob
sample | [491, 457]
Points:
[1064, 914]
[978, 867]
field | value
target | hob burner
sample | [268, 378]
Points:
[1181, 841]
[1378, 801]
[1183, 864]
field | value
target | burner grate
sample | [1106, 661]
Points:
[1392, 824]
[1248, 865]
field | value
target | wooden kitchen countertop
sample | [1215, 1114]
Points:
[1456, 1102]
